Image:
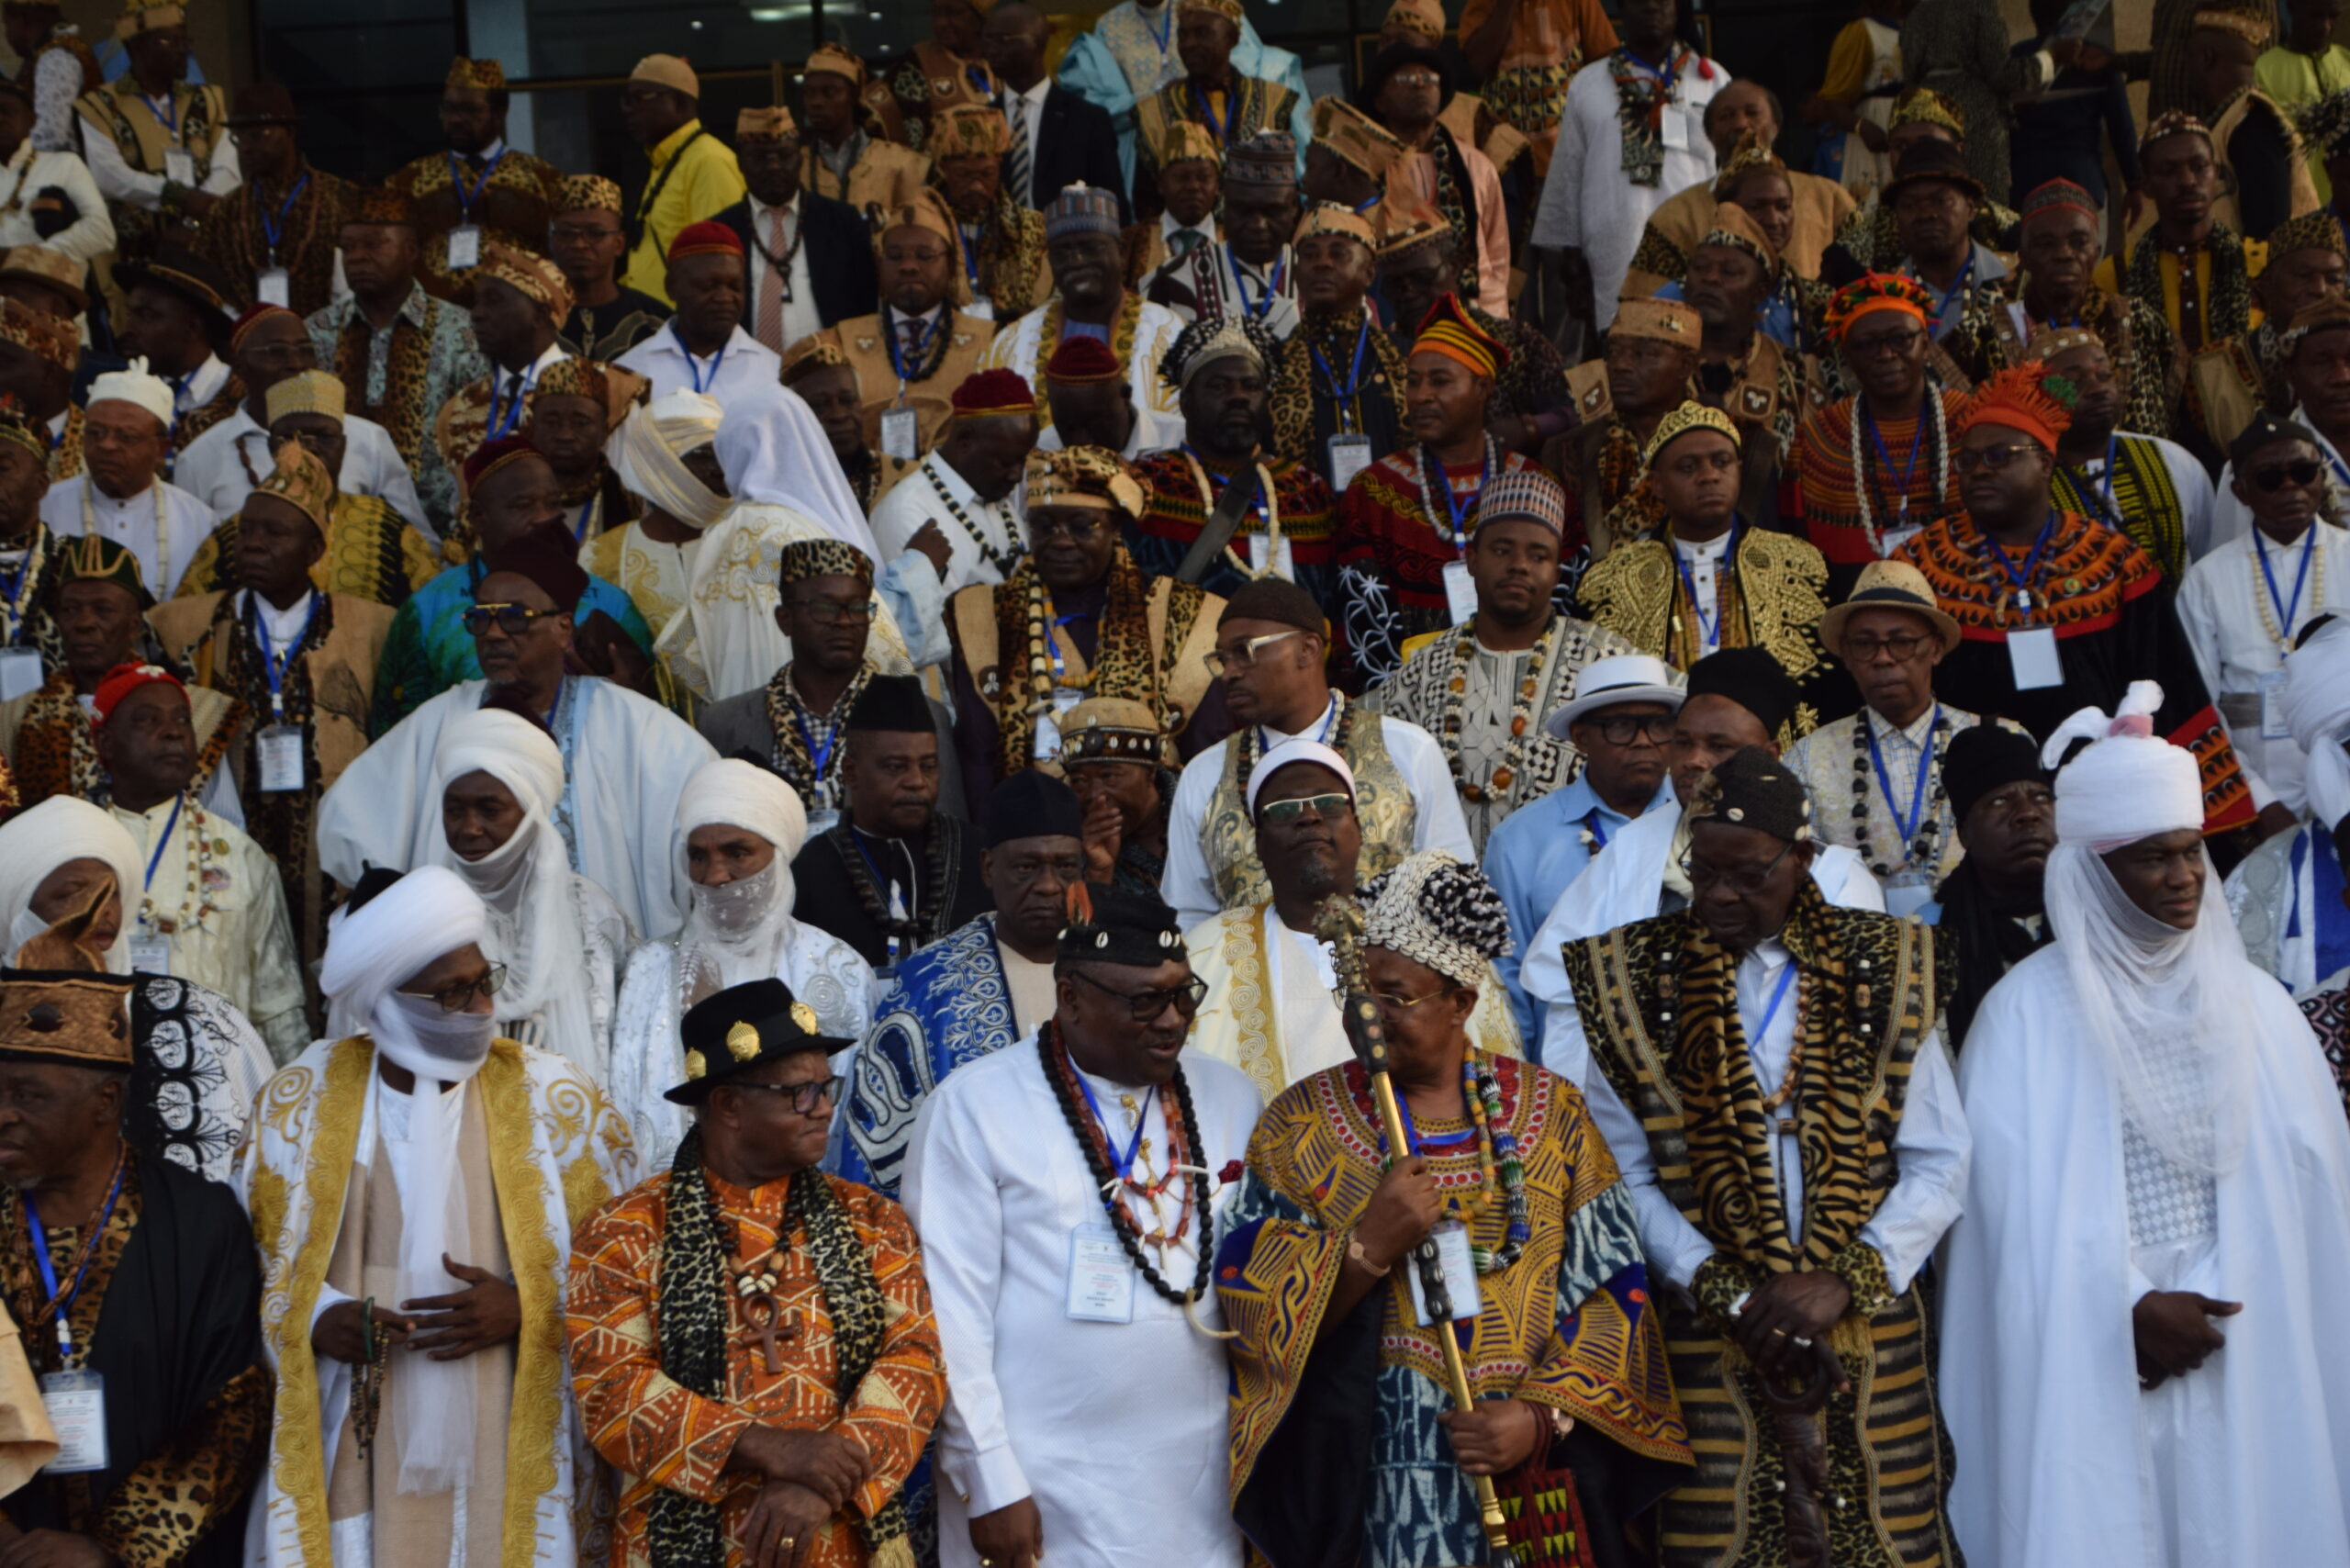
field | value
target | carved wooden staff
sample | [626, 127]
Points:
[1803, 1455]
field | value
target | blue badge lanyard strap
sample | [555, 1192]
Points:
[911, 900]
[465, 198]
[1771, 1009]
[2101, 495]
[586, 510]
[924, 331]
[693, 368]
[168, 117]
[820, 758]
[1908, 825]
[62, 1302]
[1123, 1161]
[1272, 291]
[164, 842]
[498, 424]
[2286, 608]
[1958, 286]
[274, 227]
[1710, 632]
[1458, 508]
[1222, 133]
[1346, 396]
[1053, 644]
[273, 664]
[968, 249]
[1216, 482]
[2022, 580]
[1885, 455]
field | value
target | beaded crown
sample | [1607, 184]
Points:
[1871, 293]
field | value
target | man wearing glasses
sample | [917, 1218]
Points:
[415, 1199]
[1070, 1192]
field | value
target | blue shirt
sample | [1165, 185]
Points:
[1774, 318]
[1534, 857]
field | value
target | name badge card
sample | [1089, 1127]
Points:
[77, 1408]
[272, 286]
[901, 433]
[1281, 564]
[464, 245]
[1674, 128]
[1895, 538]
[2033, 658]
[280, 747]
[1349, 455]
[1459, 593]
[1101, 1279]
[20, 673]
[179, 165]
[2272, 708]
[151, 952]
[1451, 1238]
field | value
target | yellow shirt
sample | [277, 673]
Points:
[694, 176]
[2296, 80]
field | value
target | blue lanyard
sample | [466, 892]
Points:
[693, 369]
[1348, 393]
[1456, 507]
[498, 426]
[15, 586]
[465, 198]
[1958, 284]
[1125, 1161]
[970, 254]
[819, 756]
[168, 116]
[1908, 825]
[1665, 74]
[1257, 312]
[271, 664]
[1711, 631]
[1884, 453]
[164, 842]
[1597, 830]
[2022, 580]
[1159, 34]
[880, 882]
[1222, 133]
[2286, 608]
[1053, 647]
[274, 227]
[63, 1303]
[2109, 509]
[1778, 994]
[587, 510]
[926, 329]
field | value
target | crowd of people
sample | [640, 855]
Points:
[1068, 804]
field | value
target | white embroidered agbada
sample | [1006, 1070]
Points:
[625, 759]
[2149, 1113]
[735, 933]
[1626, 882]
[355, 1188]
[560, 936]
[2292, 923]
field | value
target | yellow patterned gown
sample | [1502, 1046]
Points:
[1334, 1430]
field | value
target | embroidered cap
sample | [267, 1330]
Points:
[2169, 123]
[305, 392]
[1213, 338]
[21, 428]
[137, 16]
[1752, 152]
[830, 60]
[771, 124]
[1750, 787]
[1110, 729]
[300, 479]
[986, 394]
[1265, 162]
[133, 385]
[970, 131]
[380, 207]
[489, 457]
[1330, 218]
[1081, 360]
[1111, 925]
[2253, 26]
[2324, 315]
[1659, 321]
[51, 268]
[740, 1027]
[1228, 9]
[1690, 416]
[708, 238]
[88, 558]
[1081, 209]
[1404, 222]
[2058, 195]
[58, 1004]
[1184, 140]
[2315, 231]
[1355, 137]
[1523, 495]
[609, 387]
[1425, 17]
[1734, 229]
[1923, 105]
[1932, 162]
[538, 278]
[255, 314]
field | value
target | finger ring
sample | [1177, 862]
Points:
[1802, 1343]
[1780, 1332]
[785, 1545]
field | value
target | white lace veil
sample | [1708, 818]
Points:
[736, 932]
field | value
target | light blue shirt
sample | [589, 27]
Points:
[1535, 855]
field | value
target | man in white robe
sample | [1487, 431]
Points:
[2288, 897]
[413, 1162]
[1734, 699]
[1086, 1420]
[2141, 1360]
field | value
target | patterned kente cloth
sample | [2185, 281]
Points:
[1659, 1000]
[946, 1005]
[515, 202]
[1569, 1324]
[1175, 512]
[372, 553]
[1383, 806]
[1391, 568]
[1772, 597]
[234, 237]
[1910, 478]
[2112, 613]
[1315, 392]
[1993, 328]
[662, 1435]
[1535, 379]
[1251, 104]
[2145, 505]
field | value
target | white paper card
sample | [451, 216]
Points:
[1895, 538]
[1349, 455]
[1451, 1238]
[1281, 564]
[271, 286]
[1101, 1279]
[464, 246]
[151, 953]
[1459, 592]
[1674, 124]
[901, 433]
[179, 165]
[2272, 708]
[20, 673]
[823, 821]
[2033, 658]
[280, 746]
[77, 1408]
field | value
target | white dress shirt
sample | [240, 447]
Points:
[1704, 561]
[1030, 106]
[742, 365]
[221, 466]
[285, 626]
[117, 180]
[1168, 229]
[2230, 519]
[27, 175]
[162, 525]
[1300, 973]
[799, 317]
[200, 388]
[923, 496]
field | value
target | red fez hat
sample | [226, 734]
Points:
[253, 316]
[708, 238]
[123, 679]
[1081, 358]
[987, 392]
[490, 457]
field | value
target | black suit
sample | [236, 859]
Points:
[1075, 144]
[839, 249]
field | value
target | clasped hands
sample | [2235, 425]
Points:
[808, 1477]
[1784, 1319]
[488, 1312]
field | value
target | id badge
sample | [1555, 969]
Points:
[77, 1408]
[901, 433]
[1908, 891]
[281, 757]
[1451, 1238]
[179, 166]
[1349, 455]
[822, 821]
[271, 286]
[1674, 124]
[1281, 564]
[151, 953]
[2033, 658]
[464, 246]
[1101, 1279]
[20, 673]
[2272, 708]
[1459, 593]
[1895, 538]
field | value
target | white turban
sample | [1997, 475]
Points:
[37, 842]
[396, 935]
[735, 931]
[648, 450]
[135, 387]
[2128, 784]
[1292, 751]
[2317, 710]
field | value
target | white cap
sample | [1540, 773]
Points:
[1295, 750]
[135, 387]
[1623, 678]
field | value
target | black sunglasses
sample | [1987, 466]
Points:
[804, 1097]
[512, 619]
[1148, 1005]
[2300, 471]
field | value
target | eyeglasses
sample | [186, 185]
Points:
[1396, 1006]
[832, 611]
[1147, 1005]
[581, 233]
[1889, 345]
[920, 255]
[512, 619]
[804, 1097]
[1080, 529]
[1968, 459]
[1222, 660]
[459, 997]
[1415, 76]
[1328, 808]
[1747, 882]
[2301, 472]
[1623, 729]
[1862, 648]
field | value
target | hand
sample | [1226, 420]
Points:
[1011, 1537]
[2276, 817]
[2064, 51]
[489, 1312]
[1787, 1308]
[933, 544]
[55, 1549]
[1400, 1213]
[199, 204]
[1496, 1436]
[782, 1524]
[1104, 834]
[2092, 59]
[338, 1334]
[831, 1464]
[2173, 1332]
[1872, 135]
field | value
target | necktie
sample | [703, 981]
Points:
[1186, 241]
[769, 329]
[1016, 163]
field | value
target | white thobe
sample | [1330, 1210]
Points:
[1190, 887]
[741, 366]
[2240, 631]
[1039, 1403]
[221, 466]
[1303, 980]
[1930, 1147]
[2063, 1460]
[2230, 519]
[162, 525]
[1020, 347]
[1625, 882]
[923, 496]
[26, 175]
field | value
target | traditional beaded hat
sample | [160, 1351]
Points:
[1425, 17]
[2017, 399]
[2058, 195]
[381, 207]
[1438, 912]
[1750, 787]
[1690, 416]
[1109, 729]
[2317, 231]
[305, 392]
[1213, 338]
[1752, 152]
[2171, 122]
[17, 427]
[1874, 292]
[1228, 9]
